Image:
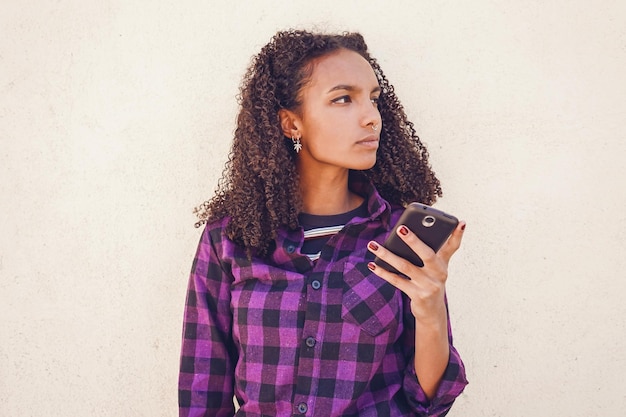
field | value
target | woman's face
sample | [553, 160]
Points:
[339, 110]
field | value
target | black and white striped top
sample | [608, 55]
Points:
[318, 229]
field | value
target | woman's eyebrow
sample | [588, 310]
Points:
[349, 87]
[342, 87]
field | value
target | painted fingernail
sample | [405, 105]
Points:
[403, 230]
[463, 227]
[371, 266]
[373, 246]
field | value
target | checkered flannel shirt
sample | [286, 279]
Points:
[288, 336]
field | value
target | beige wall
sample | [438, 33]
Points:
[115, 119]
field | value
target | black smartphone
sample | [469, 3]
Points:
[432, 226]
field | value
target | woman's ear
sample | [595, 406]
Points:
[288, 122]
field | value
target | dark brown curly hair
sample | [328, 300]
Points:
[259, 189]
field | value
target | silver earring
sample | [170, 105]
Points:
[374, 127]
[297, 145]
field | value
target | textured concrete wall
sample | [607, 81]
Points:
[115, 120]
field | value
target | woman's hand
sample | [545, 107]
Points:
[426, 286]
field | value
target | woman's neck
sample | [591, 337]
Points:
[327, 194]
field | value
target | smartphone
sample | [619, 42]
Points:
[432, 226]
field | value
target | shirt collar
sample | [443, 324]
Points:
[377, 206]
[287, 241]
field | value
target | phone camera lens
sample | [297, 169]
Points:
[428, 221]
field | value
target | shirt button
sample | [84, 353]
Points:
[316, 285]
[291, 248]
[302, 408]
[310, 342]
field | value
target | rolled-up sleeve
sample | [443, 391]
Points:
[205, 384]
[452, 383]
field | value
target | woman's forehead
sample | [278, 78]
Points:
[342, 68]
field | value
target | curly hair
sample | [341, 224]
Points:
[259, 189]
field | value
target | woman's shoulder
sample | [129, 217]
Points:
[215, 231]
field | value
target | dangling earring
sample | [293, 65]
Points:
[297, 145]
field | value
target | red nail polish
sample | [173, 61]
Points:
[463, 227]
[373, 246]
[371, 266]
[403, 230]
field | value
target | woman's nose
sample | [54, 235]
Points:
[371, 114]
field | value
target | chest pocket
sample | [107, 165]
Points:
[369, 301]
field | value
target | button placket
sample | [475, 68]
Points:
[307, 369]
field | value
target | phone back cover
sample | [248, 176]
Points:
[433, 236]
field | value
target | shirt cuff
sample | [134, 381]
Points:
[452, 384]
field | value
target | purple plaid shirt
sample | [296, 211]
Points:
[288, 336]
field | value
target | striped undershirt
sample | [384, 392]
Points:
[318, 229]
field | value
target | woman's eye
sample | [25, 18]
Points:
[342, 100]
[375, 100]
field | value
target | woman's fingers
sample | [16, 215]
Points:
[432, 261]
[426, 284]
[419, 286]
[453, 243]
[400, 264]
[396, 280]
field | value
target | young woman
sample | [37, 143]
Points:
[285, 309]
